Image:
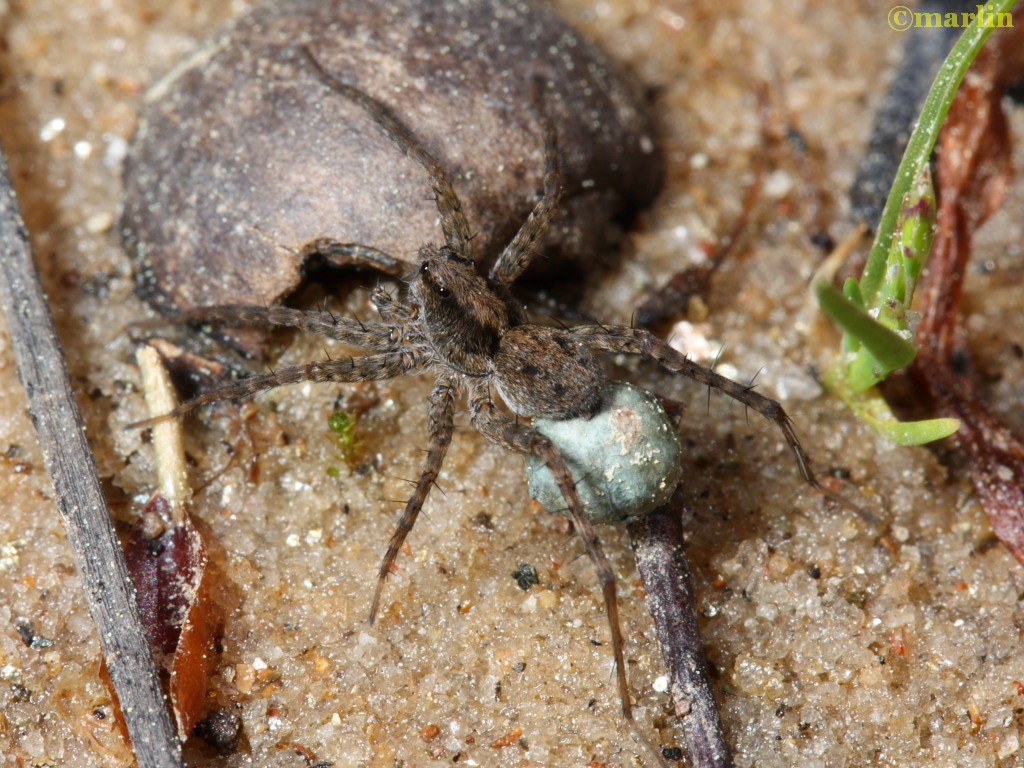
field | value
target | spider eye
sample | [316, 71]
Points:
[431, 281]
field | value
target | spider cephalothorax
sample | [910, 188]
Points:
[459, 314]
[467, 330]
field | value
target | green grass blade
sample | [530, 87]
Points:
[922, 141]
[872, 409]
[889, 350]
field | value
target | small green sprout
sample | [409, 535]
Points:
[342, 425]
[874, 312]
[878, 340]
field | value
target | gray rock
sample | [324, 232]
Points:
[243, 159]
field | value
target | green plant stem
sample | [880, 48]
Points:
[922, 141]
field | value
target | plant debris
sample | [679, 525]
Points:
[665, 570]
[974, 173]
[79, 494]
[167, 561]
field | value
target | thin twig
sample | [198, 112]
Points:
[83, 508]
[665, 571]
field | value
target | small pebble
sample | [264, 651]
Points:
[99, 223]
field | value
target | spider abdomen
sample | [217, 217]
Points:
[543, 372]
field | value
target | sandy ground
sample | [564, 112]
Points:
[834, 643]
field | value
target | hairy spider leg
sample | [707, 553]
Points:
[375, 336]
[441, 423]
[524, 247]
[392, 310]
[453, 220]
[386, 365]
[400, 316]
[505, 431]
[624, 339]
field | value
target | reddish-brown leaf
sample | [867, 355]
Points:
[974, 172]
[170, 575]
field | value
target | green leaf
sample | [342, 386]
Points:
[343, 427]
[872, 409]
[911, 245]
[851, 290]
[870, 349]
[888, 350]
[917, 231]
[902, 432]
[922, 140]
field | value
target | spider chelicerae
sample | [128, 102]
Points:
[468, 331]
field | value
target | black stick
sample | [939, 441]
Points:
[924, 50]
[80, 499]
[665, 571]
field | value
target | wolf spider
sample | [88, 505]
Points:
[467, 330]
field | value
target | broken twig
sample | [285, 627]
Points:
[665, 571]
[80, 498]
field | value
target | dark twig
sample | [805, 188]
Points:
[665, 571]
[923, 53]
[80, 499]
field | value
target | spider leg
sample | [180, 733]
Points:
[505, 431]
[392, 311]
[635, 341]
[453, 220]
[340, 254]
[441, 423]
[386, 365]
[344, 329]
[401, 317]
[522, 249]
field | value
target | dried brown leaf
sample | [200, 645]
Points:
[170, 574]
[195, 653]
[974, 173]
